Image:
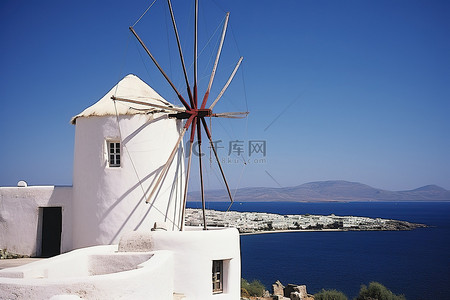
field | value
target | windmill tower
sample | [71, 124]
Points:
[128, 148]
[119, 150]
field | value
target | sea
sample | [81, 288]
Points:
[414, 263]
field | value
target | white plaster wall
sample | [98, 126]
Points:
[19, 217]
[111, 201]
[193, 252]
[151, 279]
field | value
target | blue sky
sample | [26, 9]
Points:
[351, 90]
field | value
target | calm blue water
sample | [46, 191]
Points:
[415, 263]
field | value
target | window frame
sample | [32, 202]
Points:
[114, 158]
[217, 276]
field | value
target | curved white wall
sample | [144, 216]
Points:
[193, 252]
[108, 202]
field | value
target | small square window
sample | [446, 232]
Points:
[114, 153]
[217, 276]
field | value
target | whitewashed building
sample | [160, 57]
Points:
[119, 150]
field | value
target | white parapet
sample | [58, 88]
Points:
[92, 273]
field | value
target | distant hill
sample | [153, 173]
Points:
[336, 190]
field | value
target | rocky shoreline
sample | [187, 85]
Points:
[255, 222]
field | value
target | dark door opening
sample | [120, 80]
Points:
[51, 231]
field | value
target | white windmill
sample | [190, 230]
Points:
[139, 135]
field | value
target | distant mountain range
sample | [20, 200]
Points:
[323, 191]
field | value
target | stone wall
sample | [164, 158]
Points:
[290, 292]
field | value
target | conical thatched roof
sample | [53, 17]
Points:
[130, 87]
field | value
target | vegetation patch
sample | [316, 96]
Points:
[330, 295]
[5, 254]
[254, 288]
[377, 291]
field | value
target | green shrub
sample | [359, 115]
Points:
[254, 288]
[330, 295]
[377, 291]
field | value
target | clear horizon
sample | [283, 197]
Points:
[354, 91]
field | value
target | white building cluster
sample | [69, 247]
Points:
[252, 222]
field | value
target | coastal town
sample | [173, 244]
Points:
[258, 222]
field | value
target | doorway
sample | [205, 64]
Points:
[51, 231]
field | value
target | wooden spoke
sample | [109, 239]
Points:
[160, 69]
[227, 84]
[148, 104]
[213, 73]
[167, 165]
[202, 191]
[188, 172]
[208, 134]
[232, 115]
[180, 51]
[195, 53]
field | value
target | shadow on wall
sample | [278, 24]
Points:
[176, 182]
